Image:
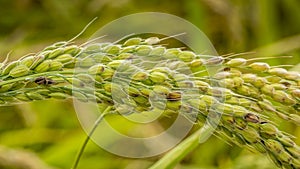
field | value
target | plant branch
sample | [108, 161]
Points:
[97, 122]
[180, 151]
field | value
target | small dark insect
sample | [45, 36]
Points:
[44, 81]
[251, 118]
[174, 96]
[227, 69]
[287, 84]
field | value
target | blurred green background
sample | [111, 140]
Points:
[47, 134]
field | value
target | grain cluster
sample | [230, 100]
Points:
[143, 76]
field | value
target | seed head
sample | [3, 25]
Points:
[158, 77]
[54, 53]
[214, 61]
[140, 76]
[132, 41]
[259, 66]
[157, 51]
[18, 71]
[186, 56]
[44, 66]
[9, 67]
[64, 58]
[55, 65]
[278, 72]
[152, 40]
[196, 63]
[28, 61]
[87, 62]
[112, 49]
[143, 50]
[96, 69]
[268, 128]
[236, 62]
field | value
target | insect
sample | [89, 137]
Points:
[44, 81]
[251, 118]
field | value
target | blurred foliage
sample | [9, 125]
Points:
[50, 129]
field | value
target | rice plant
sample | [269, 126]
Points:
[244, 94]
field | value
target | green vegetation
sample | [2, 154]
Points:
[261, 111]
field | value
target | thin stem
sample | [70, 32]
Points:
[83, 30]
[179, 152]
[97, 122]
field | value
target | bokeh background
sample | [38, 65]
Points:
[47, 134]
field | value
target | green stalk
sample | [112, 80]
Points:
[97, 122]
[174, 156]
